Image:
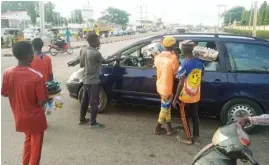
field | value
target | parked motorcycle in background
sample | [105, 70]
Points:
[229, 143]
[59, 46]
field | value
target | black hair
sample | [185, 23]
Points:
[22, 50]
[93, 40]
[187, 49]
[37, 44]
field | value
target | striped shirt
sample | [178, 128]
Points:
[260, 120]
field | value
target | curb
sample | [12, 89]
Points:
[81, 46]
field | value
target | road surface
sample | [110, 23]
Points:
[127, 139]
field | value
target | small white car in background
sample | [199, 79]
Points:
[31, 33]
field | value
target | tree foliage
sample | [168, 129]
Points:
[76, 16]
[30, 6]
[266, 19]
[233, 14]
[116, 16]
[49, 12]
[261, 15]
[245, 17]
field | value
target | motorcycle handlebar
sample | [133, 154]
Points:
[248, 154]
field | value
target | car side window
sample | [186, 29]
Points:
[248, 57]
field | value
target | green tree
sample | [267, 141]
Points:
[49, 12]
[117, 16]
[245, 17]
[30, 6]
[262, 12]
[76, 16]
[233, 14]
[266, 19]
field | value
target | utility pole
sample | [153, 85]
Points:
[146, 13]
[219, 6]
[250, 18]
[255, 18]
[141, 15]
[42, 18]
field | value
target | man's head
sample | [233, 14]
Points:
[187, 47]
[67, 28]
[93, 40]
[23, 51]
[37, 44]
[169, 43]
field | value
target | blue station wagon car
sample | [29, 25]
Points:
[235, 85]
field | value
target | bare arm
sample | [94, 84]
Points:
[178, 90]
[82, 58]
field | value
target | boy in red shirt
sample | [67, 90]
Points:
[27, 94]
[41, 62]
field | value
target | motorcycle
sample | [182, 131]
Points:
[55, 49]
[229, 143]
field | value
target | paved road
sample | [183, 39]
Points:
[127, 139]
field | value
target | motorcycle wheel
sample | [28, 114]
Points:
[69, 50]
[53, 51]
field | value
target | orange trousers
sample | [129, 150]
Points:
[32, 148]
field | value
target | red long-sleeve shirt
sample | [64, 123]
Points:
[259, 120]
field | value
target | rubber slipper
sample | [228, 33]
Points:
[171, 133]
[185, 141]
[163, 131]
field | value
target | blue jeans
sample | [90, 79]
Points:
[90, 97]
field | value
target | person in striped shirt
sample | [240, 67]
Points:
[255, 120]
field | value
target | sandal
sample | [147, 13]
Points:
[171, 133]
[162, 131]
[184, 140]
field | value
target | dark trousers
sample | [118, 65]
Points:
[90, 97]
[190, 110]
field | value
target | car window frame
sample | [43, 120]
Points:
[228, 63]
[139, 45]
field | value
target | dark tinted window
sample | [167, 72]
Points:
[248, 57]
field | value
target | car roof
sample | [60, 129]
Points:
[209, 36]
[197, 36]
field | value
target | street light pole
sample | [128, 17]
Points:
[255, 18]
[42, 17]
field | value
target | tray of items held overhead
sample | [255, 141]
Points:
[205, 54]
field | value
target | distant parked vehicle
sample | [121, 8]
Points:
[31, 33]
[8, 34]
[118, 32]
[130, 31]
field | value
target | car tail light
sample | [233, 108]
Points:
[243, 136]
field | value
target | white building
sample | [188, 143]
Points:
[87, 11]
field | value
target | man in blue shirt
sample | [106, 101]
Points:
[67, 36]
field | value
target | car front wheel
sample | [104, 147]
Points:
[102, 101]
[237, 108]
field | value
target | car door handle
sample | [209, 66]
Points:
[154, 77]
[106, 74]
[217, 81]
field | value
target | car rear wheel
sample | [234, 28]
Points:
[237, 108]
[102, 102]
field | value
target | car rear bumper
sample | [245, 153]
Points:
[73, 88]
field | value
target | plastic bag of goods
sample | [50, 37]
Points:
[54, 104]
[204, 53]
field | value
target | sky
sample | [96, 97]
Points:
[171, 11]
